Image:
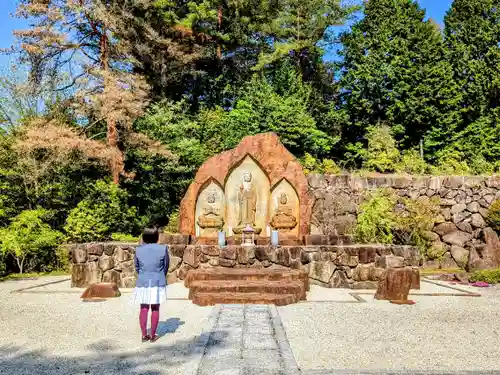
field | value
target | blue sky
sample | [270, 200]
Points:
[436, 9]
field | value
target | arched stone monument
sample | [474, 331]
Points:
[259, 183]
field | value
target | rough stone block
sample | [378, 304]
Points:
[211, 250]
[78, 275]
[390, 261]
[94, 274]
[224, 262]
[445, 228]
[321, 271]
[165, 238]
[106, 262]
[180, 239]
[101, 290]
[177, 250]
[245, 254]
[192, 256]
[122, 254]
[229, 252]
[339, 280]
[457, 238]
[79, 254]
[175, 262]
[395, 285]
[95, 248]
[183, 271]
[366, 254]
[111, 276]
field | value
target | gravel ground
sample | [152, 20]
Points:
[55, 333]
[48, 330]
[436, 334]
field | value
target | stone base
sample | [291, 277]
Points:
[246, 286]
[331, 266]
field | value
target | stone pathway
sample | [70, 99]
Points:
[247, 339]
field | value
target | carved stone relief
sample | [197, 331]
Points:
[284, 208]
[210, 209]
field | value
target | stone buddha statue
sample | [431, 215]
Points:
[247, 201]
[283, 220]
[210, 221]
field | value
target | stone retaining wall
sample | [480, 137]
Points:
[334, 266]
[461, 230]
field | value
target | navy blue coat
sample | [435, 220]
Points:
[151, 264]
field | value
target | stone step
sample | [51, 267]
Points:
[248, 274]
[210, 299]
[245, 286]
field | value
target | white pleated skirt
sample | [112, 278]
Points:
[152, 295]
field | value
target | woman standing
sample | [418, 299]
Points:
[151, 264]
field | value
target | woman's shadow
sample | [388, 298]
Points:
[169, 326]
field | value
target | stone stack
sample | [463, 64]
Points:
[333, 262]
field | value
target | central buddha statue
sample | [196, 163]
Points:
[247, 201]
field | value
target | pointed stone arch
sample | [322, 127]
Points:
[261, 184]
[272, 157]
[211, 188]
[284, 186]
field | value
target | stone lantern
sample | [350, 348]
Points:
[248, 236]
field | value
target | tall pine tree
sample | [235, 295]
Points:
[393, 73]
[472, 37]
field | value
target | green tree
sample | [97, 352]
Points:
[103, 212]
[472, 34]
[28, 237]
[261, 109]
[394, 72]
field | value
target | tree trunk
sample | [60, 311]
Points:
[20, 263]
[219, 25]
[112, 132]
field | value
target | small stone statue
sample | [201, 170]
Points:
[211, 220]
[283, 219]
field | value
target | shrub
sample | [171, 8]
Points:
[414, 219]
[313, 165]
[381, 155]
[123, 237]
[450, 163]
[63, 259]
[376, 218]
[103, 212]
[173, 222]
[30, 241]
[489, 276]
[387, 218]
[411, 163]
[493, 217]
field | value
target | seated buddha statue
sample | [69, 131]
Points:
[210, 221]
[283, 220]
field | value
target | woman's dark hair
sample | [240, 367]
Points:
[150, 235]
